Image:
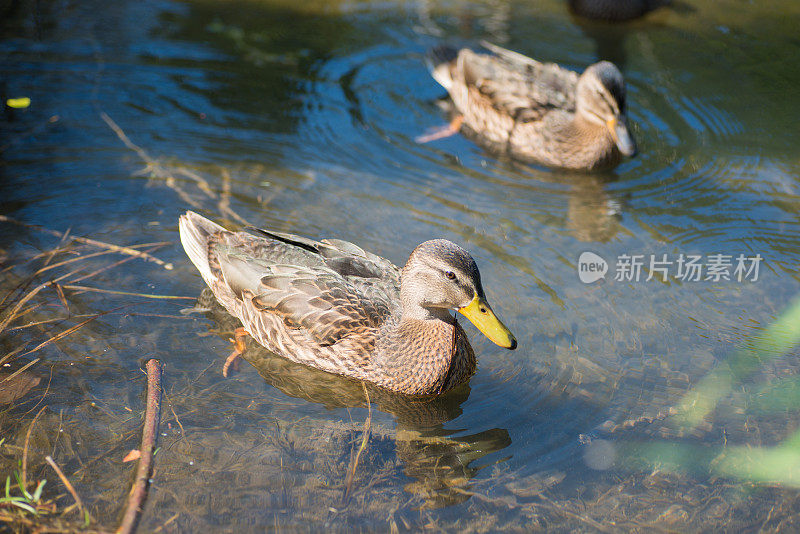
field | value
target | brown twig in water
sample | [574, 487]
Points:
[202, 184]
[61, 297]
[56, 337]
[41, 400]
[149, 432]
[156, 245]
[80, 257]
[364, 439]
[49, 257]
[45, 254]
[24, 476]
[160, 315]
[167, 522]
[16, 314]
[113, 265]
[125, 139]
[66, 482]
[116, 248]
[48, 321]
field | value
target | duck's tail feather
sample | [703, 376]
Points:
[195, 232]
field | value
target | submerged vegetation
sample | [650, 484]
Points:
[34, 313]
[750, 403]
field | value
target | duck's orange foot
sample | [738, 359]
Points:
[441, 133]
[238, 348]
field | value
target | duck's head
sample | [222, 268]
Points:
[600, 99]
[441, 276]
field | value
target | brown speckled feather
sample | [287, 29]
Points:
[517, 85]
[324, 304]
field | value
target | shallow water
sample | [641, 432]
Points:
[303, 119]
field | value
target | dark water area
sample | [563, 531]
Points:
[629, 404]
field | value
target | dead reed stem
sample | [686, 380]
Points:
[126, 293]
[11, 315]
[166, 174]
[364, 439]
[67, 483]
[62, 334]
[109, 246]
[24, 476]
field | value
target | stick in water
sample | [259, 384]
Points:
[152, 413]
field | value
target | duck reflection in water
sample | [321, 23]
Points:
[609, 23]
[593, 215]
[441, 466]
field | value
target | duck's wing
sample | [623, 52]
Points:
[317, 300]
[331, 289]
[340, 256]
[516, 85]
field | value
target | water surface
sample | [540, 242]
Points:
[303, 119]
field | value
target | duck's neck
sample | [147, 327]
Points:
[412, 311]
[588, 129]
[596, 143]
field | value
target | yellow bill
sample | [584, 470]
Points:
[481, 315]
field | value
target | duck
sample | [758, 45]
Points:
[614, 10]
[333, 306]
[537, 112]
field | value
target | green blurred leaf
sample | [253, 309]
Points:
[22, 486]
[18, 103]
[775, 340]
[38, 493]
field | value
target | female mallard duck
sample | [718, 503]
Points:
[539, 111]
[331, 305]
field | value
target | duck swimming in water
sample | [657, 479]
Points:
[331, 305]
[536, 111]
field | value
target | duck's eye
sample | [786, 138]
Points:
[450, 275]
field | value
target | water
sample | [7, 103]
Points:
[303, 119]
